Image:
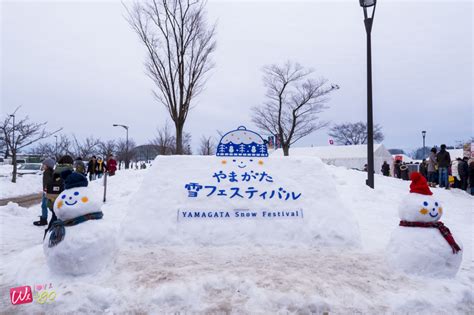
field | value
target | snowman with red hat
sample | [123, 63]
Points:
[422, 244]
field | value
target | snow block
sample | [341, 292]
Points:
[232, 200]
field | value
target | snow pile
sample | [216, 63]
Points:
[293, 201]
[13, 209]
[25, 185]
[87, 247]
[423, 251]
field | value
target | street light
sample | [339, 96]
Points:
[13, 149]
[423, 133]
[126, 149]
[13, 133]
[370, 123]
[13, 128]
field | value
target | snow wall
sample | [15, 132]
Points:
[234, 200]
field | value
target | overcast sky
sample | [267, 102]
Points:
[78, 65]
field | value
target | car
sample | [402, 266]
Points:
[5, 161]
[29, 168]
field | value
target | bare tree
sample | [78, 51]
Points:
[293, 102]
[44, 150]
[459, 144]
[354, 133]
[107, 148]
[22, 134]
[207, 146]
[186, 144]
[60, 147]
[4, 147]
[179, 43]
[121, 150]
[64, 146]
[164, 140]
[86, 148]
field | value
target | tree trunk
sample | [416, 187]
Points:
[286, 149]
[179, 138]
[14, 165]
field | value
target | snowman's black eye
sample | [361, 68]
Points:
[76, 193]
[63, 196]
[233, 160]
[425, 204]
[251, 160]
[436, 204]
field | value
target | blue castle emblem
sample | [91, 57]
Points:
[242, 142]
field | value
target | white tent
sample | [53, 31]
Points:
[349, 156]
[456, 153]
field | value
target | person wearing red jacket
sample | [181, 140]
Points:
[111, 165]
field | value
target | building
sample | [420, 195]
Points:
[349, 156]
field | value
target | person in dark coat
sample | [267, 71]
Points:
[471, 177]
[91, 168]
[385, 169]
[48, 168]
[57, 186]
[404, 172]
[79, 166]
[432, 168]
[424, 169]
[444, 161]
[396, 169]
[100, 167]
[463, 171]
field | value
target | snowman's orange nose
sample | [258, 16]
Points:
[60, 204]
[440, 210]
[424, 211]
[84, 199]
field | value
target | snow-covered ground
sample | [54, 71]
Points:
[243, 278]
[25, 185]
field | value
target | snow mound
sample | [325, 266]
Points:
[86, 249]
[423, 251]
[12, 208]
[294, 200]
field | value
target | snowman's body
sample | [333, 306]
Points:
[422, 250]
[87, 247]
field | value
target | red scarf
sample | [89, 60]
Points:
[442, 229]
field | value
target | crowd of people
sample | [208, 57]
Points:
[439, 170]
[53, 183]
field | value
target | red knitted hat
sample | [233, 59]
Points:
[419, 185]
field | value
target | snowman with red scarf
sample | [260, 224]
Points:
[421, 244]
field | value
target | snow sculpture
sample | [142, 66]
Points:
[422, 245]
[79, 242]
[242, 142]
[240, 196]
